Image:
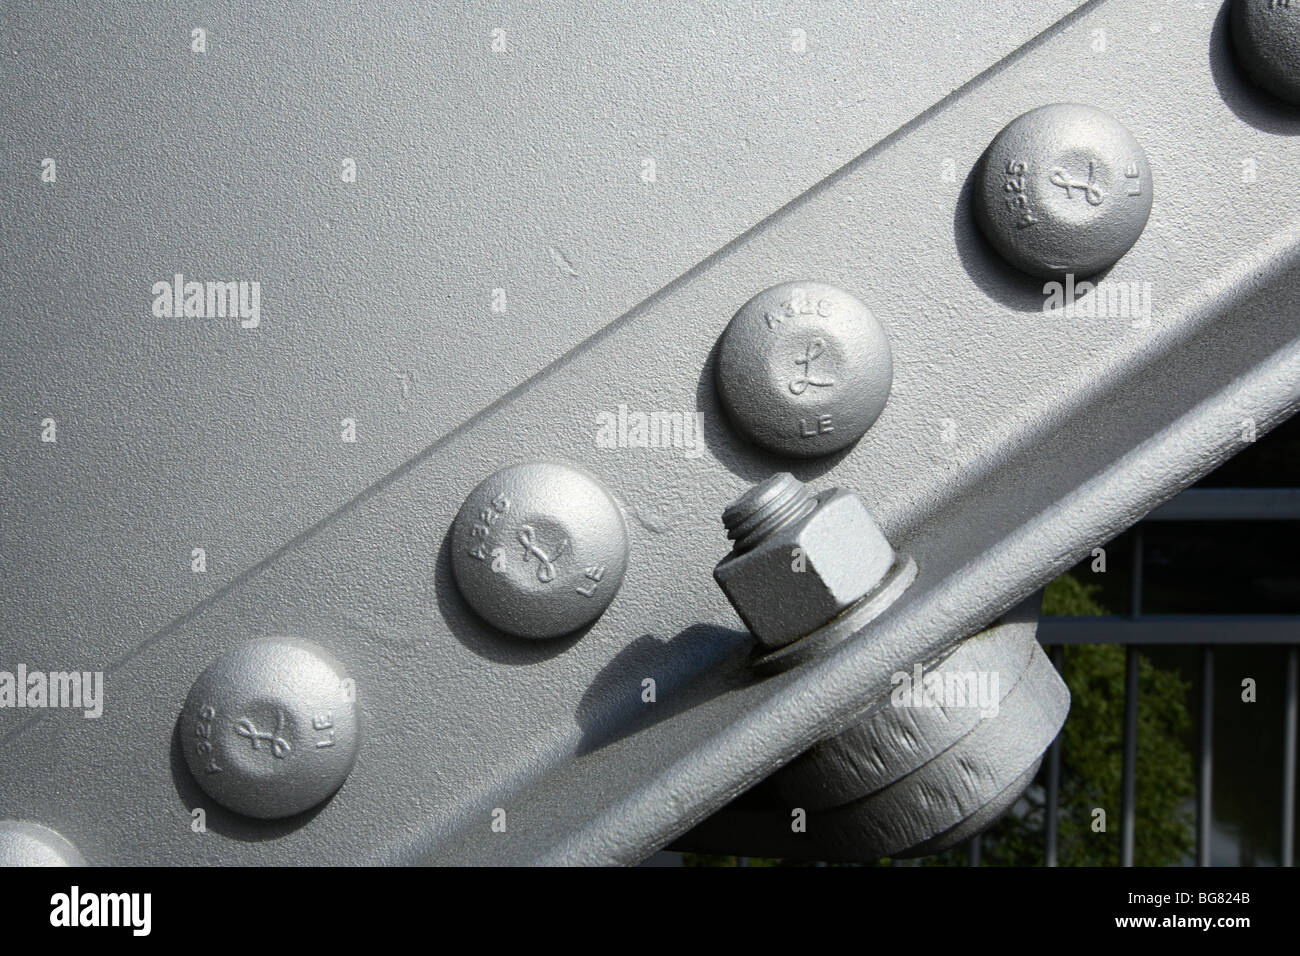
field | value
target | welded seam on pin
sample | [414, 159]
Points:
[597, 337]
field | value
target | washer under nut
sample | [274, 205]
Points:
[804, 369]
[539, 549]
[270, 729]
[1063, 189]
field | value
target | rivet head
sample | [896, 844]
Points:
[804, 369]
[539, 549]
[1063, 189]
[30, 844]
[1266, 34]
[271, 728]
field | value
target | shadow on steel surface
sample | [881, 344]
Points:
[700, 662]
[1249, 103]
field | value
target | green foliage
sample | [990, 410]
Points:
[1092, 753]
[1067, 596]
[1092, 760]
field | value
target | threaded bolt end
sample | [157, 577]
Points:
[766, 508]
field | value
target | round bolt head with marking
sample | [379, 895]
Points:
[1266, 34]
[271, 729]
[1063, 189]
[30, 844]
[804, 369]
[539, 549]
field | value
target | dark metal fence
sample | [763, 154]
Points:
[1205, 631]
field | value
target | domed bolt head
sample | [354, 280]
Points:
[1266, 34]
[30, 844]
[539, 549]
[804, 369]
[1063, 189]
[271, 728]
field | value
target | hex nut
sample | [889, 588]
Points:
[804, 369]
[1266, 35]
[271, 728]
[539, 549]
[30, 844]
[800, 560]
[1063, 189]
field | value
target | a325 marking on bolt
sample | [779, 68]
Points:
[483, 527]
[1018, 198]
[203, 730]
[799, 303]
[534, 550]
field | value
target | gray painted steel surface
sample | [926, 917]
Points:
[1014, 439]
